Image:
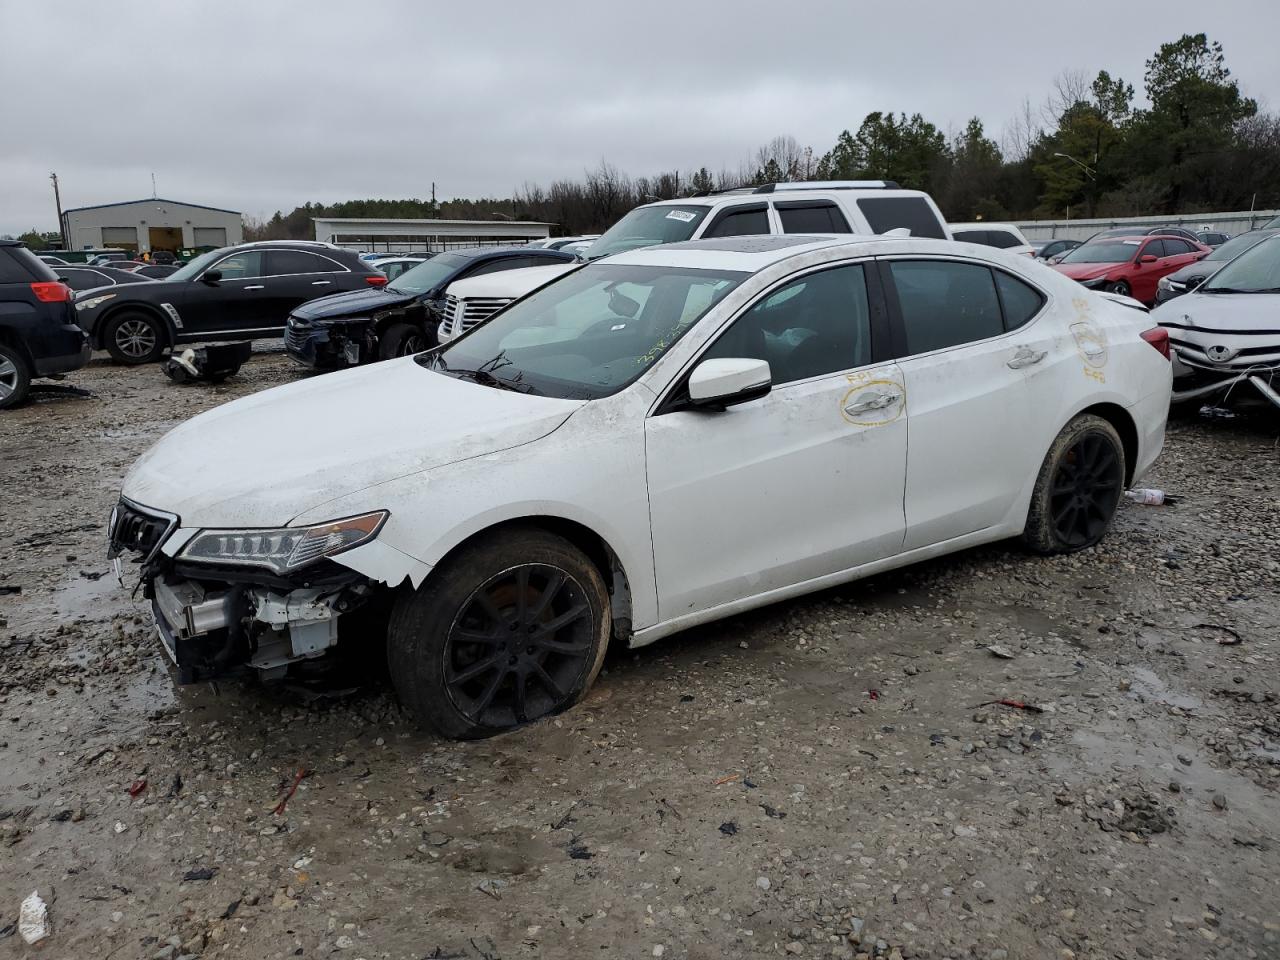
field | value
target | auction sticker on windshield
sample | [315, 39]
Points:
[684, 216]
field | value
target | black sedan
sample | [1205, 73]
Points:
[1194, 274]
[403, 317]
[236, 293]
[1045, 249]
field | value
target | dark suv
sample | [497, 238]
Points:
[38, 333]
[235, 293]
[403, 317]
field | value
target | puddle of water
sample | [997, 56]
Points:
[1147, 685]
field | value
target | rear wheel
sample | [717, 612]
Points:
[512, 629]
[1078, 488]
[402, 340]
[15, 377]
[134, 338]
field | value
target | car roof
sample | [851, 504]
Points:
[476, 253]
[750, 253]
[984, 225]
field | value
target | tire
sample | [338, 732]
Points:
[1120, 287]
[470, 660]
[1078, 488]
[15, 377]
[134, 338]
[403, 340]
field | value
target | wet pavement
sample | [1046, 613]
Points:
[825, 777]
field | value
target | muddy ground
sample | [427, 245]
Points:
[820, 778]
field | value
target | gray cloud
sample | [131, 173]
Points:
[263, 105]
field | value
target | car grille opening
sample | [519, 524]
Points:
[139, 531]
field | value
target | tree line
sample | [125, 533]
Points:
[1197, 144]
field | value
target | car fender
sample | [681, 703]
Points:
[99, 323]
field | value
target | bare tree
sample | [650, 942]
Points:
[1021, 133]
[1069, 88]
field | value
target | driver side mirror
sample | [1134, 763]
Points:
[716, 384]
[1147, 258]
[211, 276]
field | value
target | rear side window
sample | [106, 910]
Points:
[1154, 248]
[1176, 248]
[1020, 301]
[739, 223]
[20, 265]
[86, 279]
[282, 263]
[813, 326]
[913, 213]
[971, 236]
[812, 218]
[497, 266]
[1002, 239]
[945, 304]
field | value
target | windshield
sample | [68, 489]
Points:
[1234, 247]
[648, 226]
[1257, 270]
[197, 266]
[429, 274]
[1107, 252]
[588, 334]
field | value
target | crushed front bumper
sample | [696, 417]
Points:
[328, 346]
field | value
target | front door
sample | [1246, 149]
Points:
[966, 398]
[803, 482]
[236, 304]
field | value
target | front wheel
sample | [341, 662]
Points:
[402, 340]
[1120, 287]
[15, 377]
[511, 629]
[134, 338]
[1078, 489]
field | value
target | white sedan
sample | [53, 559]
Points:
[658, 439]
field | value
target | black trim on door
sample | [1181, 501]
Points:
[724, 213]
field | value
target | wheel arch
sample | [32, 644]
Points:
[1122, 420]
[11, 339]
[100, 328]
[594, 546]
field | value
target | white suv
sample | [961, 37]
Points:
[474, 300]
[1002, 236]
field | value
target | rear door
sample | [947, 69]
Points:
[811, 216]
[296, 276]
[967, 416]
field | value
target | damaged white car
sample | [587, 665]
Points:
[1226, 333]
[659, 439]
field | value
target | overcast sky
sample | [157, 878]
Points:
[258, 106]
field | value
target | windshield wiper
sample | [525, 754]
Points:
[1227, 290]
[487, 379]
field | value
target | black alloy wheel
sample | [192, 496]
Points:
[1084, 492]
[518, 645]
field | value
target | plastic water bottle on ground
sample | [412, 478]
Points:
[1146, 496]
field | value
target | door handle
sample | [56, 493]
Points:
[872, 401]
[322, 283]
[1026, 357]
[256, 286]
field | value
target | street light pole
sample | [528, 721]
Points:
[57, 199]
[1089, 172]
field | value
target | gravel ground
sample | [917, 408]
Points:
[820, 778]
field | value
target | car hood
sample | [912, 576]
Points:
[1084, 271]
[1196, 271]
[1221, 311]
[262, 460]
[355, 303]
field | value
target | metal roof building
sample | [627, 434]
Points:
[425, 234]
[153, 224]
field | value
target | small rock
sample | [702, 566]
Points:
[762, 883]
[1004, 653]
[960, 830]
[1220, 801]
[728, 828]
[344, 942]
[795, 947]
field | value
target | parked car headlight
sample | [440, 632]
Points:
[285, 548]
[92, 302]
[1094, 283]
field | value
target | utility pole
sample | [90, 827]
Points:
[433, 198]
[153, 185]
[57, 199]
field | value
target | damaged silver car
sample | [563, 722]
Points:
[1225, 335]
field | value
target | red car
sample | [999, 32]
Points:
[1130, 266]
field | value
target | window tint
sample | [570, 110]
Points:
[816, 325]
[1176, 248]
[945, 303]
[497, 266]
[85, 279]
[740, 223]
[812, 218]
[1154, 248]
[241, 266]
[970, 236]
[890, 213]
[285, 262]
[1021, 301]
[10, 270]
[1002, 239]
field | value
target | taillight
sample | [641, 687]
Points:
[1158, 337]
[376, 280]
[51, 291]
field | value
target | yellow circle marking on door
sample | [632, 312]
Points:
[861, 385]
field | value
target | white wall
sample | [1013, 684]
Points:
[1234, 223]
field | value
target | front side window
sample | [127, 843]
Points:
[740, 223]
[241, 266]
[587, 335]
[945, 303]
[648, 226]
[816, 325]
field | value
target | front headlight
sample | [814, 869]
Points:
[92, 302]
[283, 549]
[1094, 283]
